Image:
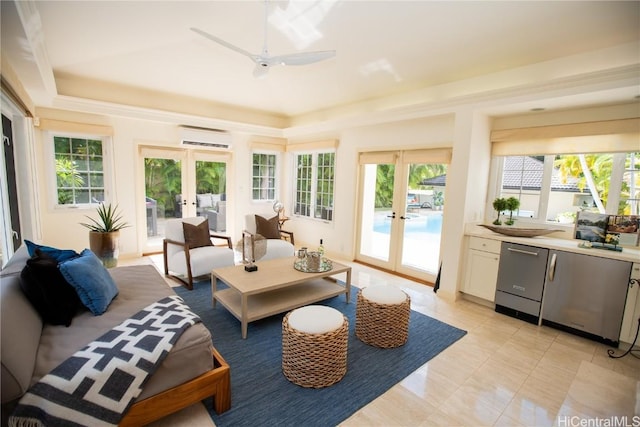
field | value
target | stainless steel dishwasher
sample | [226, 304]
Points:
[521, 281]
[586, 294]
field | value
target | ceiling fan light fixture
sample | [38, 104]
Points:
[261, 71]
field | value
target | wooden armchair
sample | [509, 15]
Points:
[191, 255]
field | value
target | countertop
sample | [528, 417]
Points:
[567, 245]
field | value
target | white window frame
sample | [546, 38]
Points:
[107, 166]
[276, 183]
[314, 184]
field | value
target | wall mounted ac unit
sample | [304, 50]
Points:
[197, 137]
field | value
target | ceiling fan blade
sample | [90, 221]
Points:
[302, 58]
[224, 43]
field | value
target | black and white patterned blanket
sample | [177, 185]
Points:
[97, 385]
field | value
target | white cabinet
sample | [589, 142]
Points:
[632, 307]
[481, 272]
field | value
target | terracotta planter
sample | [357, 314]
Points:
[105, 246]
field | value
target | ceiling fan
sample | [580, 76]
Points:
[264, 60]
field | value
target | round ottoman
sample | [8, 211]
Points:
[382, 316]
[314, 346]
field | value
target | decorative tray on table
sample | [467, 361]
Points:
[300, 264]
[518, 231]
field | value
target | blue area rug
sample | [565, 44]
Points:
[262, 396]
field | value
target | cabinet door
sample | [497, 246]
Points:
[481, 274]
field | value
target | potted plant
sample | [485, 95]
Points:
[438, 199]
[512, 204]
[499, 205]
[104, 234]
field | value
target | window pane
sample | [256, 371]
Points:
[82, 196]
[94, 147]
[96, 180]
[79, 146]
[62, 145]
[97, 195]
[81, 163]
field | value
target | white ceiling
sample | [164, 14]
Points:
[383, 47]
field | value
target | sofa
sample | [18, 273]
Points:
[192, 371]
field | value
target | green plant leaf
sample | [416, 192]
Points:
[108, 220]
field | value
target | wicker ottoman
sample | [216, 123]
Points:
[314, 346]
[382, 316]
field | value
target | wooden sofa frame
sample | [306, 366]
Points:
[215, 383]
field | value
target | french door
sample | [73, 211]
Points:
[181, 183]
[400, 206]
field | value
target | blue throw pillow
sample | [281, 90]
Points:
[91, 280]
[59, 255]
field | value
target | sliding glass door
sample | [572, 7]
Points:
[401, 200]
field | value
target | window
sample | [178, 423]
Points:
[79, 164]
[263, 180]
[555, 187]
[314, 185]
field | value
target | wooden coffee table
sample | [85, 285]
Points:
[275, 288]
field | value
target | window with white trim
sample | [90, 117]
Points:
[79, 167]
[314, 190]
[555, 187]
[263, 180]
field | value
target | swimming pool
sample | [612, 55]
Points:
[431, 223]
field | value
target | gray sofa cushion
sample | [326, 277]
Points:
[21, 329]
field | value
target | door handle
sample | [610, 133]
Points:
[184, 203]
[404, 217]
[520, 251]
[552, 267]
[393, 215]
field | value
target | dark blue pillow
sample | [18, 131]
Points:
[46, 289]
[59, 255]
[91, 280]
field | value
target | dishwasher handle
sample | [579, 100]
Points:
[552, 267]
[520, 251]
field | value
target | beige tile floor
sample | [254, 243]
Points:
[504, 372]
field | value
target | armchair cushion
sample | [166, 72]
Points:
[268, 228]
[197, 236]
